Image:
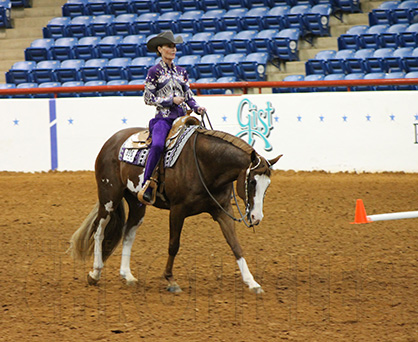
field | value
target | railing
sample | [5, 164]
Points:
[234, 85]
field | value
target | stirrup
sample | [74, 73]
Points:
[149, 183]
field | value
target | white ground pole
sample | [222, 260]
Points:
[393, 216]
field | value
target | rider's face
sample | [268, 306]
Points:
[168, 52]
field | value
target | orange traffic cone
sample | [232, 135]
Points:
[360, 215]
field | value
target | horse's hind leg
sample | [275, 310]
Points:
[135, 219]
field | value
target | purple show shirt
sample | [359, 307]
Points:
[164, 82]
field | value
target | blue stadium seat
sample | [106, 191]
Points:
[208, 66]
[7, 86]
[356, 64]
[290, 78]
[97, 7]
[354, 76]
[317, 20]
[285, 45]
[123, 25]
[371, 76]
[190, 21]
[337, 64]
[221, 43]
[395, 63]
[90, 84]
[56, 27]
[93, 69]
[210, 20]
[168, 21]
[335, 77]
[319, 64]
[242, 42]
[74, 8]
[409, 38]
[182, 48]
[294, 18]
[390, 38]
[223, 91]
[132, 46]
[405, 12]
[229, 66]
[45, 71]
[143, 6]
[114, 83]
[198, 43]
[187, 5]
[412, 74]
[116, 69]
[5, 13]
[165, 6]
[101, 25]
[392, 75]
[63, 48]
[275, 18]
[411, 62]
[383, 14]
[208, 5]
[253, 19]
[118, 7]
[253, 68]
[86, 48]
[21, 3]
[20, 72]
[69, 70]
[79, 26]
[189, 63]
[233, 4]
[350, 39]
[27, 85]
[377, 62]
[39, 50]
[71, 84]
[138, 68]
[47, 85]
[146, 24]
[108, 47]
[135, 92]
[313, 77]
[232, 20]
[347, 6]
[371, 38]
[263, 40]
[206, 80]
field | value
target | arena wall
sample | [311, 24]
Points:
[354, 131]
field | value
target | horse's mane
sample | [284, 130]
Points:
[237, 142]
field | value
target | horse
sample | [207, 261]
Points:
[201, 180]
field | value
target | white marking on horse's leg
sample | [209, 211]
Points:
[247, 277]
[109, 206]
[125, 269]
[263, 182]
[132, 188]
[98, 258]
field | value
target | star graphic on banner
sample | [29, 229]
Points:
[70, 121]
[416, 117]
[16, 122]
[224, 118]
[276, 118]
[321, 118]
[392, 117]
[299, 118]
[345, 118]
[368, 117]
[124, 121]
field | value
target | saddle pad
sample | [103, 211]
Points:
[138, 157]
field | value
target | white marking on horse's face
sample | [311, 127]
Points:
[109, 206]
[256, 214]
[131, 186]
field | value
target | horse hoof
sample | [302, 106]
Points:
[257, 290]
[174, 288]
[91, 280]
[132, 282]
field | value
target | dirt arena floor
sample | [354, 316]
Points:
[324, 278]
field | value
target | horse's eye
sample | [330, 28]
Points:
[253, 182]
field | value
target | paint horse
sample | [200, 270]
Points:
[200, 181]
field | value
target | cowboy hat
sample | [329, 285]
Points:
[166, 37]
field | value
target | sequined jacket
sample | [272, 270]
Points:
[162, 84]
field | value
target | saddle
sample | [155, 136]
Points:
[143, 140]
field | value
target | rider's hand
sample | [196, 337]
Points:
[201, 110]
[178, 100]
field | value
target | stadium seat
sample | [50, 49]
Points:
[63, 48]
[221, 43]
[91, 84]
[45, 71]
[189, 63]
[101, 25]
[313, 77]
[223, 91]
[56, 27]
[229, 66]
[74, 8]
[27, 85]
[350, 39]
[5, 13]
[86, 48]
[233, 4]
[285, 45]
[242, 42]
[355, 64]
[354, 76]
[290, 78]
[71, 84]
[122, 25]
[135, 92]
[294, 18]
[138, 68]
[253, 68]
[97, 7]
[377, 62]
[395, 63]
[146, 24]
[69, 70]
[39, 50]
[132, 46]
[316, 20]
[182, 48]
[383, 14]
[319, 64]
[206, 80]
[274, 18]
[263, 40]
[410, 63]
[20, 72]
[7, 86]
[208, 66]
[108, 47]
[371, 76]
[405, 12]
[79, 26]
[116, 69]
[409, 38]
[115, 83]
[336, 64]
[371, 38]
[412, 74]
[392, 75]
[187, 5]
[168, 21]
[232, 20]
[165, 6]
[390, 38]
[47, 85]
[21, 3]
[334, 77]
[190, 21]
[253, 19]
[118, 7]
[347, 6]
[93, 69]
[198, 43]
[143, 6]
[210, 20]
[208, 5]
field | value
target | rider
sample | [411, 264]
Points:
[166, 87]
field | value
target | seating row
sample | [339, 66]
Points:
[5, 13]
[276, 43]
[379, 36]
[353, 76]
[386, 60]
[394, 12]
[241, 66]
[310, 20]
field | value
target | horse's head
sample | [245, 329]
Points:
[252, 185]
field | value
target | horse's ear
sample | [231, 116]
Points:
[254, 157]
[275, 160]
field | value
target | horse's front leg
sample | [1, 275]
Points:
[176, 225]
[228, 230]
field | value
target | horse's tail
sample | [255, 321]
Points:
[82, 241]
